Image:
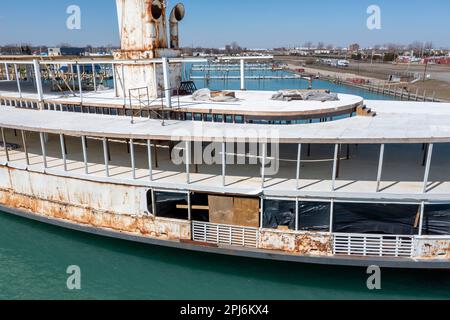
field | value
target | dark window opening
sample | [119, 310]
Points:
[314, 216]
[279, 214]
[150, 201]
[199, 207]
[436, 220]
[171, 205]
[389, 219]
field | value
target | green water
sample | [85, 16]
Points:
[34, 258]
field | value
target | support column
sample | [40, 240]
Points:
[24, 142]
[150, 160]
[85, 157]
[7, 73]
[331, 215]
[19, 89]
[124, 90]
[263, 164]
[224, 164]
[105, 155]
[299, 159]
[296, 215]
[44, 152]
[422, 212]
[427, 167]
[133, 162]
[4, 145]
[336, 152]
[380, 167]
[63, 150]
[38, 80]
[188, 160]
[94, 80]
[114, 79]
[167, 93]
[79, 82]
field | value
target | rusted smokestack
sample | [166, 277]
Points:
[176, 16]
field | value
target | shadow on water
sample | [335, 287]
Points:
[34, 258]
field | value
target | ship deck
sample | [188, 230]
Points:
[404, 131]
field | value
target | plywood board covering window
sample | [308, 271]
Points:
[234, 211]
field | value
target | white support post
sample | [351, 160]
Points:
[299, 159]
[80, 87]
[25, 148]
[19, 89]
[38, 80]
[105, 155]
[4, 145]
[427, 167]
[296, 215]
[167, 93]
[94, 77]
[224, 164]
[331, 215]
[188, 160]
[150, 159]
[63, 150]
[422, 212]
[133, 162]
[116, 92]
[124, 90]
[336, 155]
[261, 214]
[242, 74]
[85, 157]
[189, 206]
[263, 165]
[380, 167]
[7, 72]
[44, 152]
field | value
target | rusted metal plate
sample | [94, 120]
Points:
[433, 248]
[297, 243]
[102, 205]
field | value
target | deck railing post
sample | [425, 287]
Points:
[299, 159]
[94, 80]
[427, 167]
[106, 156]
[167, 93]
[380, 167]
[150, 160]
[44, 152]
[5, 147]
[124, 90]
[85, 157]
[242, 74]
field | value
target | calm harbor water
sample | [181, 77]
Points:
[34, 258]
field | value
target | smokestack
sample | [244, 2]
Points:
[176, 16]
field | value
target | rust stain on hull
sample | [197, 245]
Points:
[302, 244]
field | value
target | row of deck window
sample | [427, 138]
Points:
[309, 216]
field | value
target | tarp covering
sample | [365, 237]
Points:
[216, 96]
[290, 95]
[279, 213]
[391, 219]
[314, 216]
[436, 220]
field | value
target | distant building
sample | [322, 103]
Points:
[66, 51]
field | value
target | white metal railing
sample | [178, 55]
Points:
[373, 245]
[225, 234]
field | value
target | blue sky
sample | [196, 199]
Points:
[252, 23]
